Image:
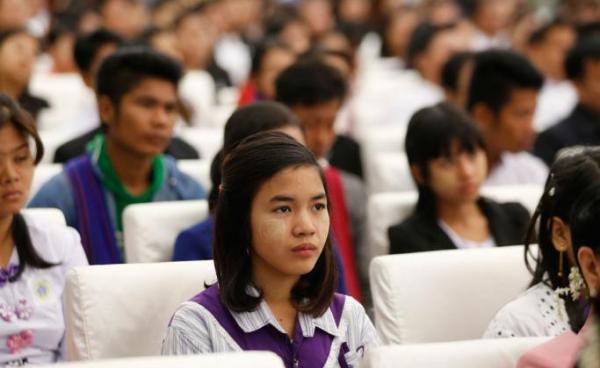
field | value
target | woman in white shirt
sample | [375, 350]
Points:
[553, 304]
[34, 254]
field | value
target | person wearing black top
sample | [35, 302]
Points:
[582, 126]
[178, 148]
[446, 154]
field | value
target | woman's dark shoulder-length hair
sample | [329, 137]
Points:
[431, 134]
[245, 169]
[573, 170]
[11, 114]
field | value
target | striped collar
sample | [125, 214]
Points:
[262, 316]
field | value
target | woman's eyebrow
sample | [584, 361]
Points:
[24, 145]
[318, 196]
[281, 198]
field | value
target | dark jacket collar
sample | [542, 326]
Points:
[498, 222]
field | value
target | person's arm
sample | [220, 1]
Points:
[57, 193]
[402, 240]
[187, 247]
[356, 201]
[188, 332]
[362, 335]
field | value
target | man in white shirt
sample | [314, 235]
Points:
[502, 100]
[547, 47]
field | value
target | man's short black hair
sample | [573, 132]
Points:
[585, 50]
[452, 68]
[421, 38]
[126, 68]
[88, 45]
[539, 35]
[496, 74]
[310, 82]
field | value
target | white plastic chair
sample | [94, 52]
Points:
[492, 353]
[444, 295]
[249, 359]
[150, 229]
[197, 169]
[390, 172]
[207, 141]
[123, 310]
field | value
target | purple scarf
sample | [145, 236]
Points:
[93, 218]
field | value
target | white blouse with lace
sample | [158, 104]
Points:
[536, 312]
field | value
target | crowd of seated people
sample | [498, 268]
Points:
[304, 97]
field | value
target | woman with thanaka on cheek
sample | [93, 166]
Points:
[446, 154]
[276, 272]
[35, 254]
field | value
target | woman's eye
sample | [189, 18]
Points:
[320, 206]
[284, 209]
[21, 158]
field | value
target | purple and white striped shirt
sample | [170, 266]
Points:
[338, 338]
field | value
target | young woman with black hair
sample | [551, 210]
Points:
[275, 266]
[446, 154]
[34, 254]
[540, 310]
[563, 350]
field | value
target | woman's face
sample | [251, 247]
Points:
[289, 222]
[17, 58]
[16, 170]
[456, 179]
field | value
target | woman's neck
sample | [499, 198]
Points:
[275, 288]
[6, 240]
[276, 291]
[12, 89]
[458, 212]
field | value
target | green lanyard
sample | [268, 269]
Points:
[97, 147]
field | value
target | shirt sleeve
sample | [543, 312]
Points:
[363, 335]
[188, 332]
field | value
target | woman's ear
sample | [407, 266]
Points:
[561, 234]
[415, 171]
[590, 267]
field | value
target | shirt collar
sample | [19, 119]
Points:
[262, 316]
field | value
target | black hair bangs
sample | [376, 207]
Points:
[440, 131]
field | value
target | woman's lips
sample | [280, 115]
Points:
[304, 250]
[12, 195]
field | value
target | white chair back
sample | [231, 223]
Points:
[387, 209]
[41, 174]
[150, 229]
[444, 295]
[247, 359]
[207, 141]
[197, 169]
[390, 172]
[114, 311]
[50, 214]
[491, 353]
